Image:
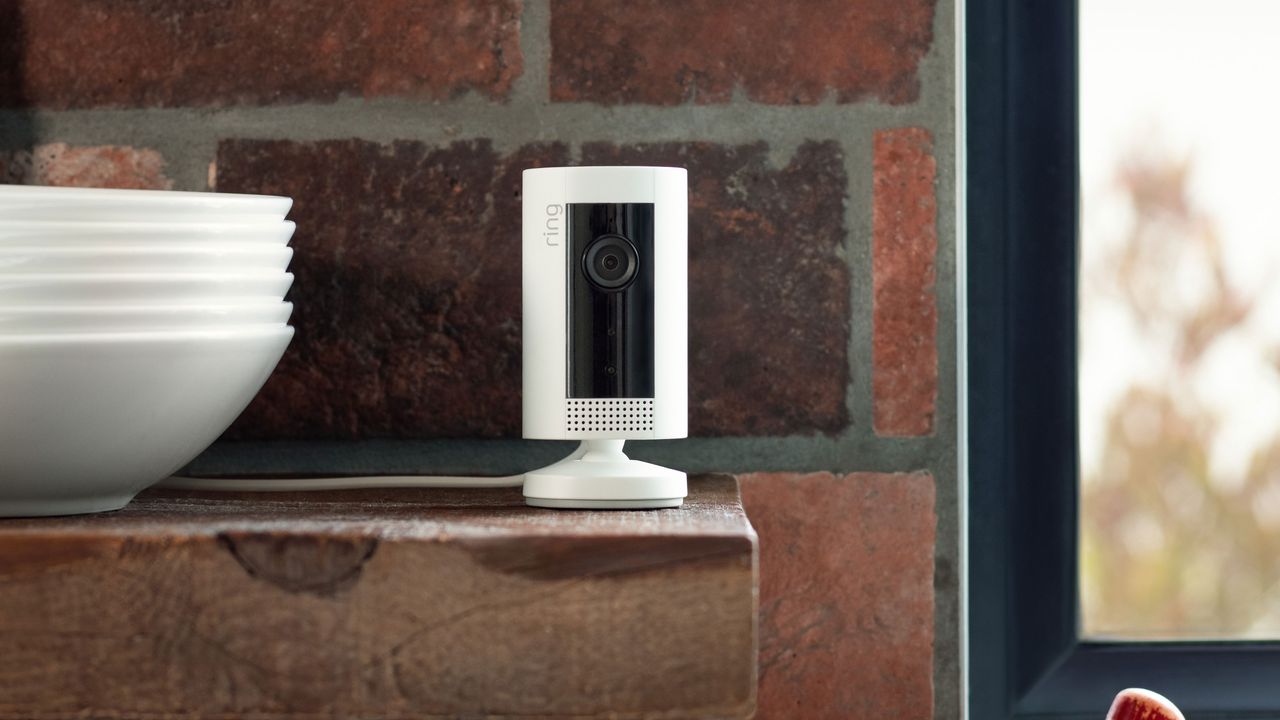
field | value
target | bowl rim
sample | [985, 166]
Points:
[268, 331]
[238, 326]
[193, 227]
[112, 278]
[158, 248]
[92, 310]
[147, 196]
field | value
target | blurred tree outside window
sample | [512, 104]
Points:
[1180, 319]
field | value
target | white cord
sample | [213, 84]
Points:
[338, 483]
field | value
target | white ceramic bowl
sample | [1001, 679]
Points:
[141, 289]
[44, 233]
[142, 318]
[95, 204]
[87, 421]
[240, 258]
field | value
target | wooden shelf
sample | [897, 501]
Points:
[395, 604]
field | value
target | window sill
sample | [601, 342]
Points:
[380, 603]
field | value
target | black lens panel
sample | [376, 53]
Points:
[610, 300]
[610, 262]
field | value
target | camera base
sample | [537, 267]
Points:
[599, 476]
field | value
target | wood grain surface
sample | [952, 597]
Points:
[389, 604]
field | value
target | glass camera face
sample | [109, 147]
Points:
[611, 286]
[610, 262]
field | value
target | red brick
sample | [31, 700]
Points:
[768, 285]
[663, 53]
[407, 291]
[407, 299]
[846, 594]
[160, 53]
[905, 308]
[110, 166]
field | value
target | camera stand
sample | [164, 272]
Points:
[598, 475]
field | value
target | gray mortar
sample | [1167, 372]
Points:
[188, 137]
[938, 78]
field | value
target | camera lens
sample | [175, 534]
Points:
[610, 262]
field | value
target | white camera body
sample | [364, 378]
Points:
[605, 323]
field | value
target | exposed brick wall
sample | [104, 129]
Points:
[905, 314]
[408, 308]
[640, 51]
[163, 53]
[820, 145]
[85, 166]
[846, 608]
[407, 286]
[764, 262]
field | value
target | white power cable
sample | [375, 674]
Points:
[338, 483]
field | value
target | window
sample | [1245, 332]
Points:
[1179, 320]
[1027, 655]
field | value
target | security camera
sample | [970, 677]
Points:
[605, 330]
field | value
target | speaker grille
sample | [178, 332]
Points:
[609, 415]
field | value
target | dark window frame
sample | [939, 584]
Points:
[1026, 657]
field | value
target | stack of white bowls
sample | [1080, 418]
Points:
[134, 327]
